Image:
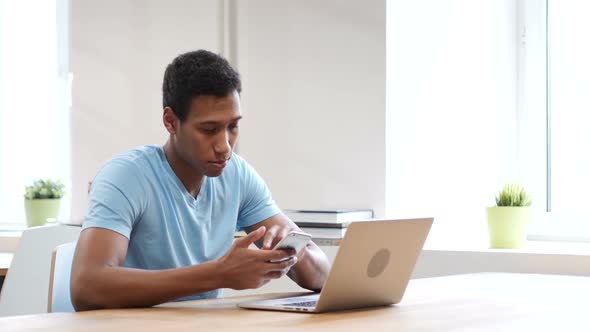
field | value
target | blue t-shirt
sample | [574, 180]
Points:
[138, 195]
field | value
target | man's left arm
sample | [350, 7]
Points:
[311, 270]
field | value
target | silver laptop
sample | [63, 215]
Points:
[372, 268]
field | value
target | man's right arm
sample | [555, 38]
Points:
[99, 281]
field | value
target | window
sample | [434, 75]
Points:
[452, 101]
[569, 106]
[34, 100]
[483, 93]
[562, 105]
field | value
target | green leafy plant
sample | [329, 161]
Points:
[43, 189]
[513, 195]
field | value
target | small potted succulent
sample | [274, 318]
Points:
[42, 201]
[508, 220]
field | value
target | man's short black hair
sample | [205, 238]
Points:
[195, 74]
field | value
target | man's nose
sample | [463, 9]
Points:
[223, 145]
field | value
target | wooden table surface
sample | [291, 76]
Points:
[474, 302]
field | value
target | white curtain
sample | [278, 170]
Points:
[34, 100]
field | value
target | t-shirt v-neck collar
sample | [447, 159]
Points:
[190, 199]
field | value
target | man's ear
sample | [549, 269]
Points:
[170, 120]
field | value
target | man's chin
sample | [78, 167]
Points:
[214, 173]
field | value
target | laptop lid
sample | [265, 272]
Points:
[374, 263]
[372, 267]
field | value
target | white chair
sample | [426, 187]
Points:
[25, 287]
[58, 299]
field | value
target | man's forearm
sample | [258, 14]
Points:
[312, 270]
[118, 287]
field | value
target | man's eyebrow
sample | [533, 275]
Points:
[211, 122]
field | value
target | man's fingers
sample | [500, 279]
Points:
[275, 274]
[254, 236]
[280, 269]
[283, 265]
[291, 252]
[274, 255]
[269, 237]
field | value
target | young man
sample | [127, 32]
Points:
[161, 219]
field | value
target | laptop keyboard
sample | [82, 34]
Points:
[307, 304]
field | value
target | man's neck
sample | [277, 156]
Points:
[190, 178]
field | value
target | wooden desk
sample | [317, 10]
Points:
[481, 302]
[5, 259]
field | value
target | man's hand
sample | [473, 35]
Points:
[243, 268]
[312, 268]
[274, 234]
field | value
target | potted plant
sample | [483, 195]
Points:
[508, 220]
[42, 201]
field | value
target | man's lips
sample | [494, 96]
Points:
[219, 163]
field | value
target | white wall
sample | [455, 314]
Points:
[435, 263]
[543, 259]
[119, 52]
[314, 100]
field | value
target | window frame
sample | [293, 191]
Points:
[534, 122]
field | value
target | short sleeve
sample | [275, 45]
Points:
[256, 202]
[117, 198]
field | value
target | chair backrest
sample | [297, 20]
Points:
[25, 288]
[58, 299]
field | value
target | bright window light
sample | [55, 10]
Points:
[34, 100]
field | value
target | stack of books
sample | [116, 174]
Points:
[339, 218]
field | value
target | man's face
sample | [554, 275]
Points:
[205, 140]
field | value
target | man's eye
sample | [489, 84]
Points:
[233, 128]
[209, 130]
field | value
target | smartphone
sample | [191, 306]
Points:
[293, 240]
